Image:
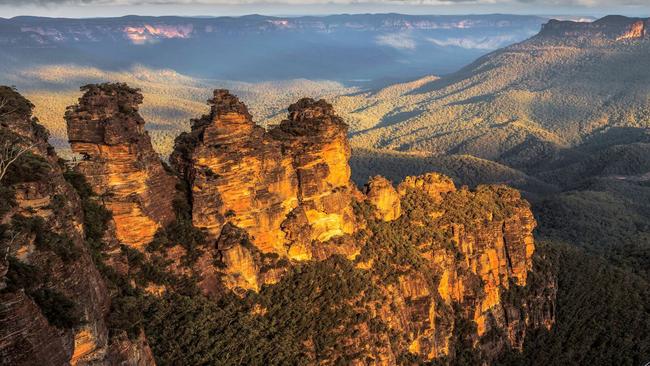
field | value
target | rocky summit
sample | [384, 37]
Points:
[254, 247]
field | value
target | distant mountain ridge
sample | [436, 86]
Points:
[610, 27]
[522, 104]
[133, 28]
[263, 48]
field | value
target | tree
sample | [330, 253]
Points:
[10, 152]
[3, 103]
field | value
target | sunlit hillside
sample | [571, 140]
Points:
[518, 105]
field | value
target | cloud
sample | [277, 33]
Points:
[478, 43]
[400, 41]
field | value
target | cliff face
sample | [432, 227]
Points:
[408, 273]
[285, 188]
[237, 173]
[316, 139]
[470, 254]
[53, 302]
[382, 195]
[610, 28]
[119, 162]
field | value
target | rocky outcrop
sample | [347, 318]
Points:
[316, 138]
[635, 31]
[286, 188]
[420, 269]
[609, 28]
[433, 184]
[237, 173]
[484, 249]
[54, 304]
[119, 161]
[381, 194]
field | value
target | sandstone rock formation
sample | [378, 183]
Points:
[237, 173]
[635, 31]
[421, 267]
[48, 266]
[612, 28]
[119, 161]
[433, 184]
[316, 138]
[483, 253]
[285, 188]
[381, 193]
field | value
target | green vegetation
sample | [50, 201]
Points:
[393, 246]
[44, 238]
[181, 232]
[609, 218]
[319, 302]
[463, 169]
[602, 315]
[57, 308]
[7, 199]
[28, 167]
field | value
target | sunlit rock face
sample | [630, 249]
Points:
[487, 253]
[635, 31]
[119, 161]
[609, 28]
[237, 173]
[434, 184]
[436, 257]
[384, 197]
[285, 188]
[316, 139]
[150, 33]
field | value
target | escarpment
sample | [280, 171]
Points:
[54, 303]
[266, 234]
[610, 28]
[119, 161]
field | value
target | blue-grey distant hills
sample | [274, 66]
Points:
[348, 48]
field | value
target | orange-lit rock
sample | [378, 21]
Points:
[119, 161]
[26, 337]
[488, 248]
[316, 139]
[237, 173]
[384, 197]
[634, 31]
[285, 188]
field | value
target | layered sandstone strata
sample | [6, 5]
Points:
[119, 161]
[316, 139]
[489, 251]
[52, 248]
[286, 188]
[237, 173]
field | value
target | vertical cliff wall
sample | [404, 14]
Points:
[316, 139]
[53, 300]
[285, 188]
[119, 162]
[467, 251]
[237, 173]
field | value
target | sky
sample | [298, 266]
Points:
[108, 8]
